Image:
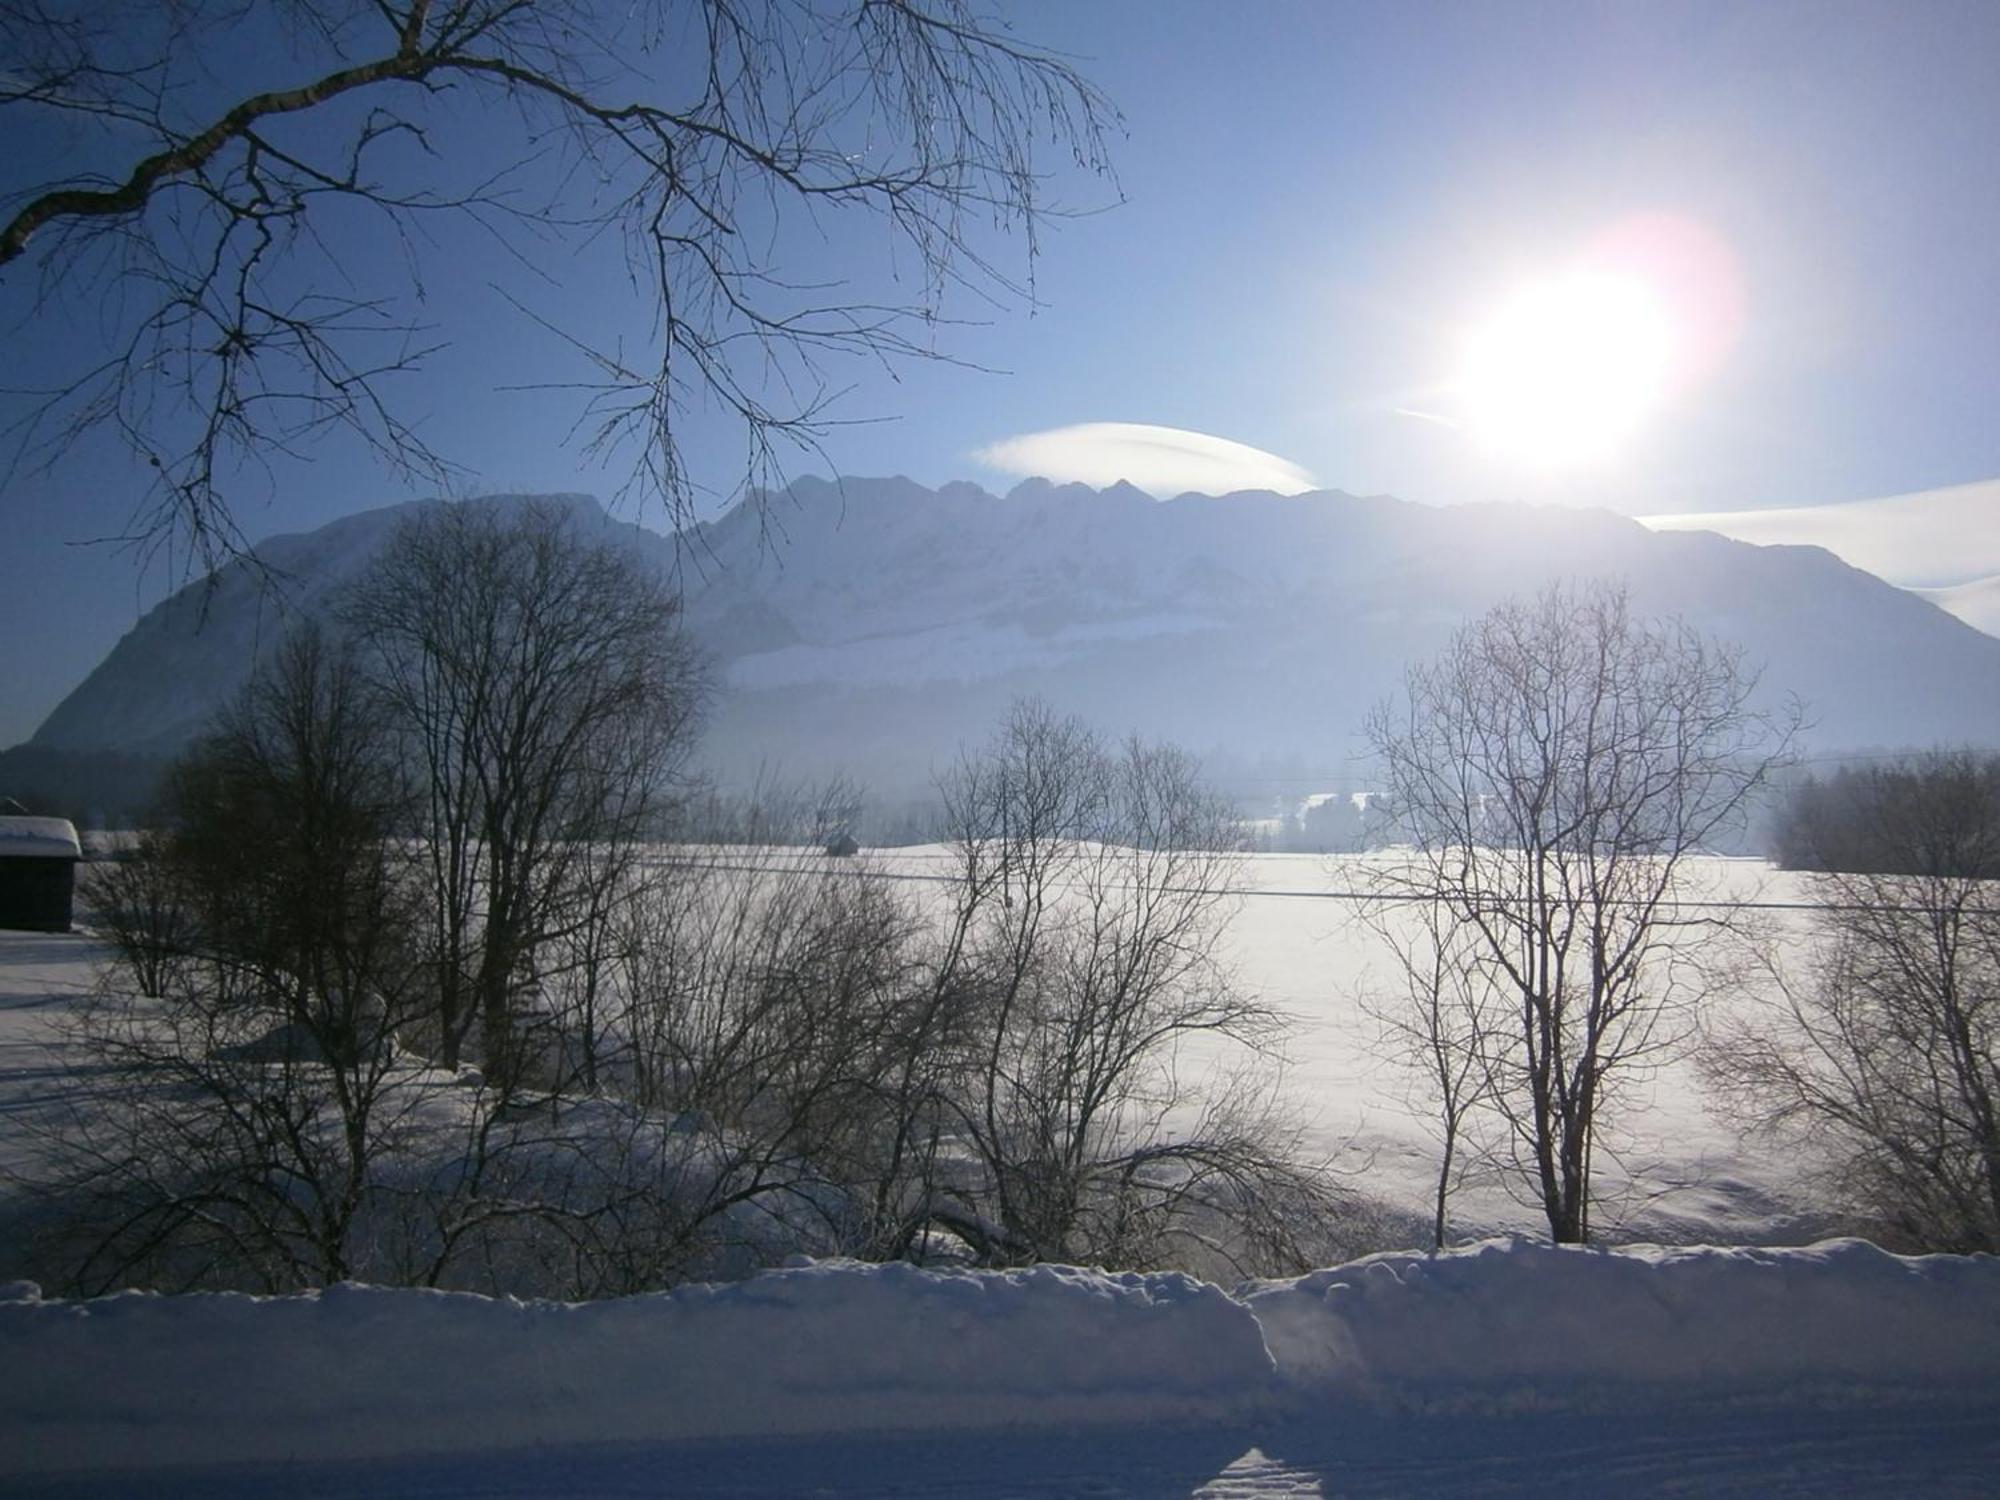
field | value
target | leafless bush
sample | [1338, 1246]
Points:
[1881, 1059]
[233, 1121]
[1435, 1018]
[1090, 895]
[140, 903]
[726, 1052]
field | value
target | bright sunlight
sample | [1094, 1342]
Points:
[1564, 372]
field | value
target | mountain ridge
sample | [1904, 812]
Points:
[870, 627]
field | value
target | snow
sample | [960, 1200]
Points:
[1671, 1169]
[38, 838]
[1519, 1325]
[1830, 1368]
[355, 1372]
[960, 651]
[837, 1350]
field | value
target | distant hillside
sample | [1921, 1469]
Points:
[873, 626]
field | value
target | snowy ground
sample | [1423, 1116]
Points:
[1502, 1370]
[1808, 1455]
[1491, 1371]
[1670, 1170]
[43, 979]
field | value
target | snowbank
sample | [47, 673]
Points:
[1506, 1325]
[360, 1372]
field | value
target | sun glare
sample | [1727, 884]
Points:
[1564, 372]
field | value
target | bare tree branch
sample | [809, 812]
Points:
[698, 134]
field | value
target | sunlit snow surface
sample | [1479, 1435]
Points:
[1672, 1169]
[1498, 1370]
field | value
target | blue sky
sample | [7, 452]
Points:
[1320, 203]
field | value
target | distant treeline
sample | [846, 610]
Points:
[92, 788]
[1936, 814]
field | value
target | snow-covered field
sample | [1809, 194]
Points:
[1504, 1368]
[1671, 1169]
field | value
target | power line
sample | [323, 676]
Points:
[1375, 898]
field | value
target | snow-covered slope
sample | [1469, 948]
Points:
[873, 626]
[888, 621]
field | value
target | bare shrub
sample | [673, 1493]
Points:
[1090, 895]
[140, 903]
[1881, 1058]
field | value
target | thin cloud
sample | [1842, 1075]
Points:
[1977, 603]
[1931, 538]
[1159, 460]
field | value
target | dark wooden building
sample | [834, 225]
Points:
[37, 873]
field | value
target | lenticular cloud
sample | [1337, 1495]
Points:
[1932, 537]
[1161, 460]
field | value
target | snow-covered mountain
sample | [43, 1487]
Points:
[187, 656]
[873, 626]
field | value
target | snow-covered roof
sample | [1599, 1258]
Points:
[38, 838]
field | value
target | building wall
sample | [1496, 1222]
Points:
[37, 894]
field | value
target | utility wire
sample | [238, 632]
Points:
[835, 866]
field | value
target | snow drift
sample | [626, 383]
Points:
[358, 1372]
[1501, 1325]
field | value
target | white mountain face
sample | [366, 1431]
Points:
[187, 656]
[871, 627]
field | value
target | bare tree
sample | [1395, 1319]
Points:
[737, 1046]
[1552, 772]
[1883, 1057]
[759, 1006]
[210, 218]
[237, 1122]
[543, 697]
[1436, 1022]
[1093, 887]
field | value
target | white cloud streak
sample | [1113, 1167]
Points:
[1160, 460]
[1926, 539]
[1977, 603]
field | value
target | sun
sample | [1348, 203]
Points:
[1567, 369]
